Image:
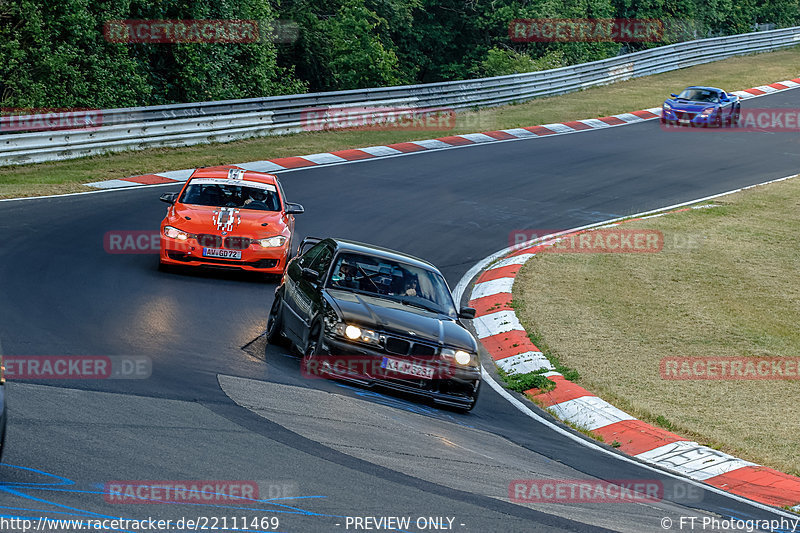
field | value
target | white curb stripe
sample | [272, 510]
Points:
[513, 260]
[628, 117]
[261, 166]
[112, 184]
[379, 151]
[790, 83]
[589, 412]
[595, 123]
[496, 323]
[692, 459]
[177, 175]
[478, 137]
[655, 110]
[524, 363]
[432, 144]
[559, 128]
[767, 89]
[489, 288]
[519, 133]
[324, 158]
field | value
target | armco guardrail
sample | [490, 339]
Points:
[204, 122]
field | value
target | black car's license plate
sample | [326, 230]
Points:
[407, 367]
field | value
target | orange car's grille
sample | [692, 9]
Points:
[209, 241]
[237, 243]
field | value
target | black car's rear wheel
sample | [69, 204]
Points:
[275, 322]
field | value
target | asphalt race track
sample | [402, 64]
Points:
[321, 451]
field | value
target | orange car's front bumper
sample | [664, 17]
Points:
[254, 258]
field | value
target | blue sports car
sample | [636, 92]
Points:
[701, 106]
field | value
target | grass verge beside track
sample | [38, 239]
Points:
[727, 283]
[641, 93]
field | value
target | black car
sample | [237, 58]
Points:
[376, 317]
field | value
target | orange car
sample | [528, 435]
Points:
[229, 218]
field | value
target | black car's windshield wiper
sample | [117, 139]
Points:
[415, 303]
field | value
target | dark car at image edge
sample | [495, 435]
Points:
[342, 300]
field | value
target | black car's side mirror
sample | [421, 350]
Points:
[673, 95]
[466, 312]
[294, 209]
[169, 197]
[310, 274]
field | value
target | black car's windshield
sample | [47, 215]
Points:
[700, 95]
[225, 193]
[396, 280]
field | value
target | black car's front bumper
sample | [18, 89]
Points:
[452, 385]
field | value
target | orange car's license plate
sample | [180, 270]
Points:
[222, 254]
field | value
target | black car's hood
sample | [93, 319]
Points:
[394, 317]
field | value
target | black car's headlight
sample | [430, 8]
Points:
[460, 357]
[667, 107]
[708, 111]
[356, 333]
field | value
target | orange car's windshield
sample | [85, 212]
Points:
[223, 193]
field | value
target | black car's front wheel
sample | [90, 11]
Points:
[275, 321]
[467, 408]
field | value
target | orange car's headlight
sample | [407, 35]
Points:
[175, 233]
[272, 242]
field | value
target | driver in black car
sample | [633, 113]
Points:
[347, 276]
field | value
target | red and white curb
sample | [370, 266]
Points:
[282, 164]
[507, 342]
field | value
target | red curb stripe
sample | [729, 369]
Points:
[644, 114]
[530, 250]
[539, 130]
[292, 162]
[149, 179]
[796, 80]
[564, 392]
[509, 271]
[353, 155]
[760, 483]
[614, 121]
[455, 140]
[778, 86]
[507, 344]
[754, 91]
[491, 304]
[499, 135]
[407, 147]
[577, 125]
[636, 437]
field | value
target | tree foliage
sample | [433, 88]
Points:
[54, 53]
